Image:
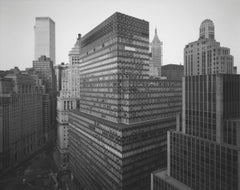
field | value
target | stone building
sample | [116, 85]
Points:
[204, 153]
[21, 118]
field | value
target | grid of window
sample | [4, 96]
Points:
[21, 110]
[44, 68]
[231, 96]
[231, 131]
[201, 105]
[159, 184]
[200, 109]
[203, 164]
[113, 74]
[127, 155]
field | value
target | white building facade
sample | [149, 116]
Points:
[206, 56]
[67, 100]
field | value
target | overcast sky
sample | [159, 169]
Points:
[177, 21]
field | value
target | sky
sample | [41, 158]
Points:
[177, 23]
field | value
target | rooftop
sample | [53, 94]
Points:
[44, 18]
[162, 174]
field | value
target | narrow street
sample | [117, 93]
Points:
[37, 173]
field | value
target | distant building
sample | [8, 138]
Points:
[156, 57]
[44, 33]
[44, 69]
[172, 71]
[118, 135]
[235, 70]
[205, 152]
[68, 99]
[74, 69]
[58, 72]
[21, 118]
[205, 56]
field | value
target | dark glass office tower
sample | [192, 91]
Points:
[205, 153]
[44, 69]
[118, 136]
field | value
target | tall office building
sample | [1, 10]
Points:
[118, 136]
[44, 33]
[21, 126]
[43, 67]
[206, 56]
[156, 57]
[67, 100]
[204, 154]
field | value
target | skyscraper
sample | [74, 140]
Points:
[43, 67]
[156, 57]
[44, 33]
[66, 101]
[206, 56]
[118, 136]
[205, 153]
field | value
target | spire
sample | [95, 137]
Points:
[156, 39]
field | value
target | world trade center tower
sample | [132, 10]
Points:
[44, 34]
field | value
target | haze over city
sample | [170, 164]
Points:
[119, 95]
[177, 24]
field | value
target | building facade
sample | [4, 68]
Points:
[58, 72]
[44, 33]
[156, 57]
[43, 67]
[68, 99]
[21, 126]
[206, 56]
[205, 154]
[172, 72]
[118, 135]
